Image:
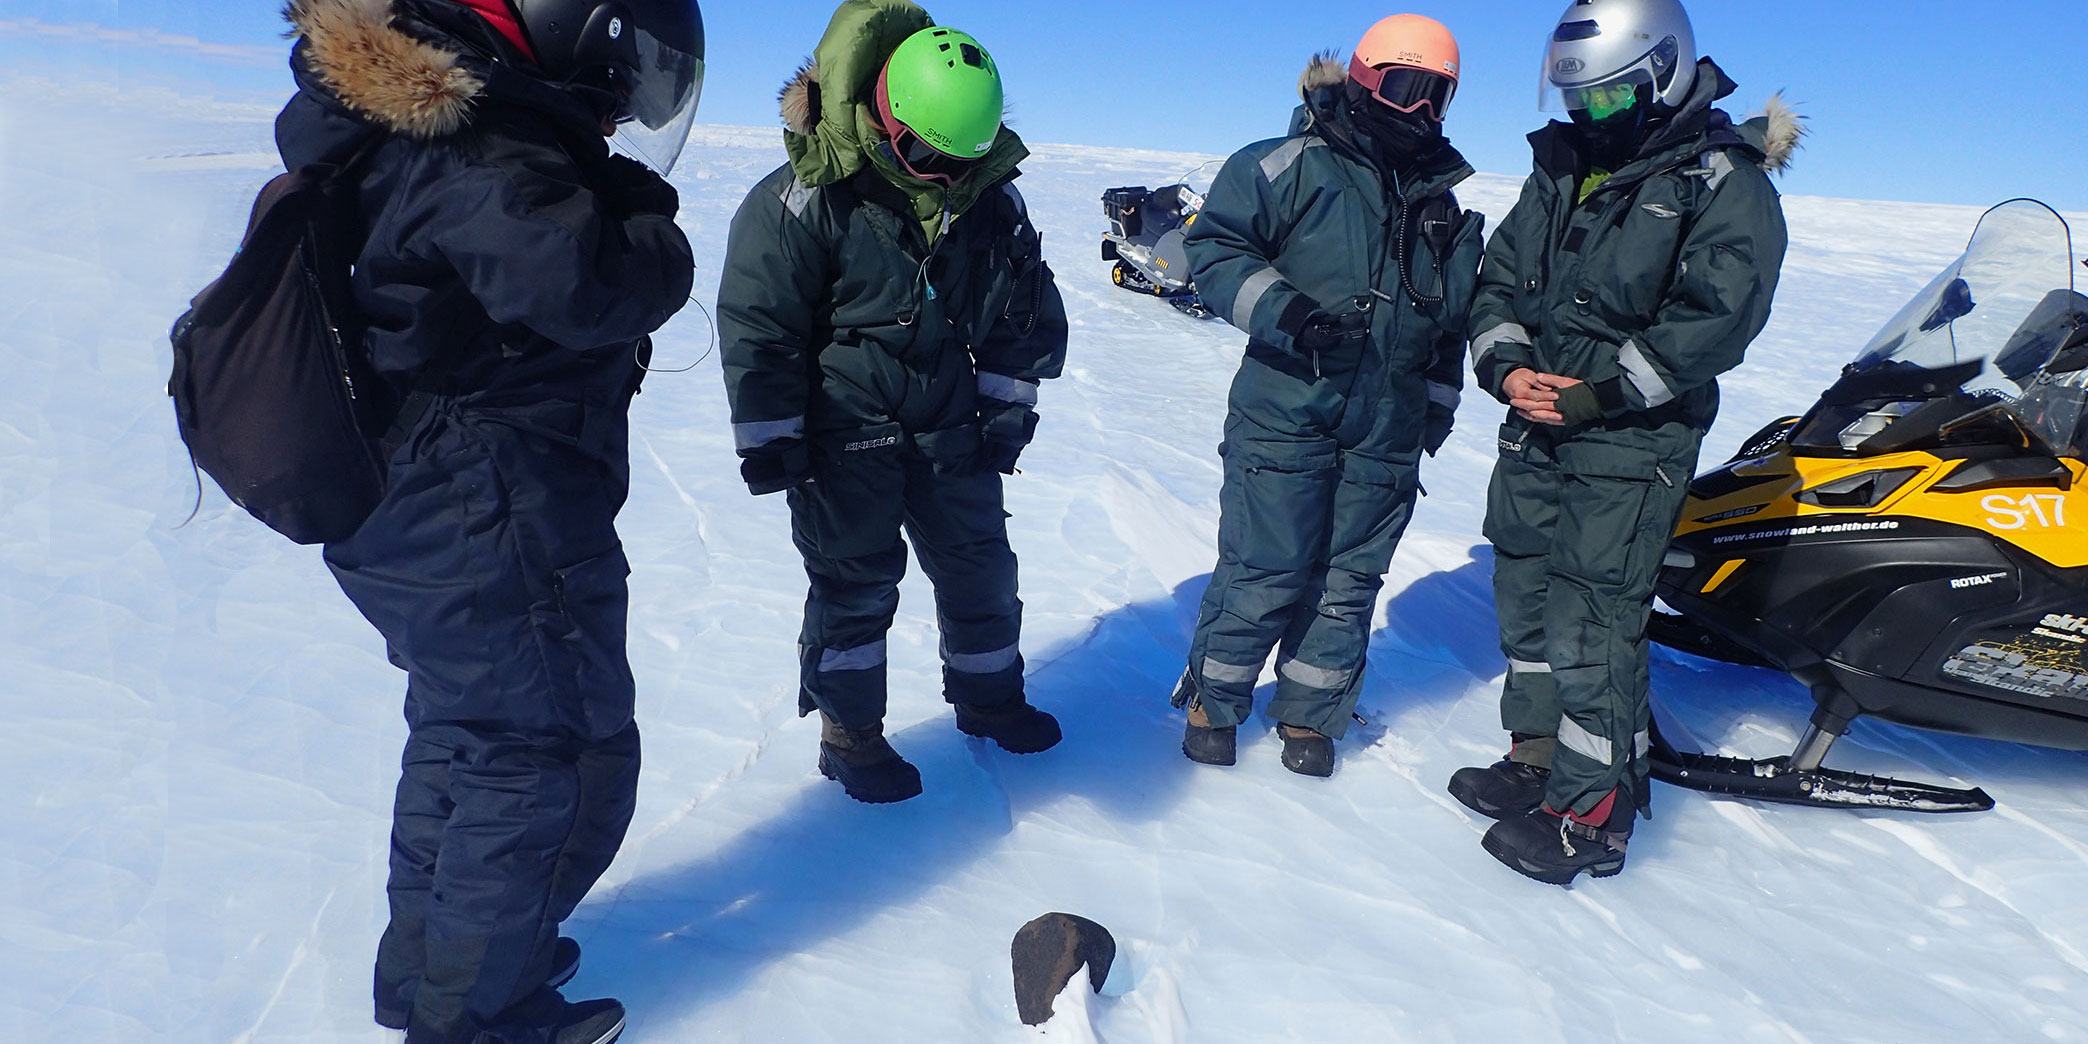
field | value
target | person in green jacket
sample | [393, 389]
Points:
[887, 315]
[1637, 266]
[1341, 252]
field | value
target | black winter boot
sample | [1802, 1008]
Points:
[1306, 752]
[1511, 786]
[864, 763]
[1018, 727]
[394, 1009]
[1554, 848]
[1207, 744]
[589, 1022]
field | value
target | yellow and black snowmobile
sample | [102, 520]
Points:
[1915, 547]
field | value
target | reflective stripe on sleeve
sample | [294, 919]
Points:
[755, 434]
[1505, 333]
[1250, 297]
[1444, 395]
[1528, 667]
[1007, 389]
[1643, 376]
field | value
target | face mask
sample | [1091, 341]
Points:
[1394, 135]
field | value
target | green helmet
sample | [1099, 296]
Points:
[942, 85]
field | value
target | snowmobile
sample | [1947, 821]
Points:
[1146, 229]
[1911, 548]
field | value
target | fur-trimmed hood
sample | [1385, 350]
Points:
[355, 49]
[1326, 69]
[799, 99]
[1777, 132]
[1783, 133]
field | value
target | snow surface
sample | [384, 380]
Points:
[202, 735]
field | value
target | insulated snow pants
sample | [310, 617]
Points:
[493, 570]
[871, 484]
[1307, 526]
[1580, 521]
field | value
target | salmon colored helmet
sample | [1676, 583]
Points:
[1408, 61]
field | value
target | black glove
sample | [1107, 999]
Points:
[635, 189]
[1578, 404]
[1005, 429]
[776, 466]
[1440, 420]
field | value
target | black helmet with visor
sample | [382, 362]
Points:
[643, 59]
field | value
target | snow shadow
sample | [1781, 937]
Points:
[674, 940]
[1439, 634]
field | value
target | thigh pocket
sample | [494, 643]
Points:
[1522, 496]
[1371, 511]
[1604, 503]
[583, 630]
[1277, 504]
[853, 505]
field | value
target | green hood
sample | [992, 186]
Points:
[830, 118]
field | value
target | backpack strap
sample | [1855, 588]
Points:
[428, 383]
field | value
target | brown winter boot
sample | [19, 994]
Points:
[864, 763]
[1306, 752]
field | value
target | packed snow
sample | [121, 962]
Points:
[202, 736]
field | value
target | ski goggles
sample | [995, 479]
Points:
[1602, 101]
[1405, 87]
[925, 161]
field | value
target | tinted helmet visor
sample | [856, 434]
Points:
[659, 91]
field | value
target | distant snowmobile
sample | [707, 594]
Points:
[1145, 235]
[1912, 547]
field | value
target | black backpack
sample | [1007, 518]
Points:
[272, 389]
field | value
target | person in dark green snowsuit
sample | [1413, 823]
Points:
[1342, 254]
[1637, 266]
[887, 315]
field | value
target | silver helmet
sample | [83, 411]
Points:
[1605, 54]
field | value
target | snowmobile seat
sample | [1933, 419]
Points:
[1162, 214]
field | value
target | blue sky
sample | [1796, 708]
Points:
[1915, 99]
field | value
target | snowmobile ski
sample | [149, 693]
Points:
[1774, 780]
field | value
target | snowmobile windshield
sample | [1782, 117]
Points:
[1997, 336]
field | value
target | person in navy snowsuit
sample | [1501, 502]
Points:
[516, 269]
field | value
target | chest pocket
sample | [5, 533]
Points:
[1631, 256]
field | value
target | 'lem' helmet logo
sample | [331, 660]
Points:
[1569, 66]
[615, 28]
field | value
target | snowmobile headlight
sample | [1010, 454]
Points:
[1870, 424]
